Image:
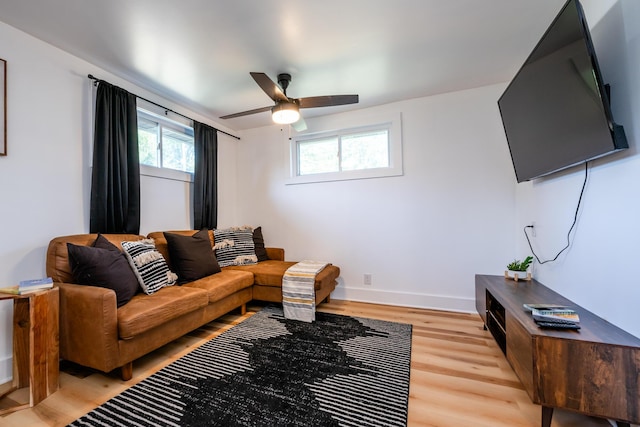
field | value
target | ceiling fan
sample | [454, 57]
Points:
[287, 110]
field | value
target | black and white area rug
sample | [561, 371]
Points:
[270, 371]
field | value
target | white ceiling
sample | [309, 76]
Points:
[199, 52]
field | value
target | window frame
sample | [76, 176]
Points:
[164, 172]
[390, 123]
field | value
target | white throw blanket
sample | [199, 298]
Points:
[298, 290]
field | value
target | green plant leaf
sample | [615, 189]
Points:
[517, 265]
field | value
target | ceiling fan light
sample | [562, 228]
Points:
[285, 113]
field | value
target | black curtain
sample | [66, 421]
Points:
[115, 181]
[205, 177]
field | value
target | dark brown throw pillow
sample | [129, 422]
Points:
[192, 257]
[105, 268]
[258, 244]
[102, 243]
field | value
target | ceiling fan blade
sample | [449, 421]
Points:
[327, 101]
[300, 125]
[269, 87]
[246, 113]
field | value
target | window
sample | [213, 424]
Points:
[366, 152]
[164, 146]
[357, 151]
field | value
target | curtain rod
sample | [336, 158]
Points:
[97, 80]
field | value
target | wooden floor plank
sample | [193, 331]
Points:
[459, 376]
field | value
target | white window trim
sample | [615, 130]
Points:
[165, 173]
[391, 122]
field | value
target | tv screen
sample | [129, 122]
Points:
[556, 111]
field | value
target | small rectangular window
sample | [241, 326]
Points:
[365, 152]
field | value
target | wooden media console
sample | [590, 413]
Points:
[594, 370]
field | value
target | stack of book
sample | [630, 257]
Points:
[28, 286]
[554, 316]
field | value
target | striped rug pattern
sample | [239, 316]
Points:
[271, 371]
[298, 290]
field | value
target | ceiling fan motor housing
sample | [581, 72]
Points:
[283, 80]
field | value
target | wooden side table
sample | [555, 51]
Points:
[35, 348]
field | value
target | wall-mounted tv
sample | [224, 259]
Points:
[556, 111]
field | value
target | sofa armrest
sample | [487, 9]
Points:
[275, 253]
[89, 326]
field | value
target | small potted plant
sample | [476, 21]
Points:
[517, 269]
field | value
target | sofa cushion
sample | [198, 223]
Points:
[145, 312]
[106, 268]
[191, 256]
[223, 284]
[234, 246]
[148, 265]
[269, 273]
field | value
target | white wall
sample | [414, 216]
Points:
[422, 236]
[595, 271]
[45, 178]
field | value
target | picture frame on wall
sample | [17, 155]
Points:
[3, 107]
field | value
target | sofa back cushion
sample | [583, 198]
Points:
[58, 267]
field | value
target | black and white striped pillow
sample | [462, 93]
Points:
[234, 246]
[149, 265]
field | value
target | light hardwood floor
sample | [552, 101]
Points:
[459, 377]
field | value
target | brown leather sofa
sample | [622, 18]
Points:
[94, 332]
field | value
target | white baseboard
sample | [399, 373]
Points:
[6, 369]
[404, 299]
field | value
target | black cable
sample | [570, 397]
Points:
[575, 219]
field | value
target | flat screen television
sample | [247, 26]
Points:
[556, 111]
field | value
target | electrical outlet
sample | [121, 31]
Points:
[367, 279]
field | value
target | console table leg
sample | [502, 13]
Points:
[547, 413]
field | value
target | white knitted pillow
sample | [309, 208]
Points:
[234, 246]
[149, 265]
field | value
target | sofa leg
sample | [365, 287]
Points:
[243, 309]
[126, 371]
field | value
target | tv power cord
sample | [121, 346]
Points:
[575, 219]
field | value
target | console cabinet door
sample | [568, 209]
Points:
[592, 378]
[520, 354]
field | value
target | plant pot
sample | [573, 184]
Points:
[517, 275]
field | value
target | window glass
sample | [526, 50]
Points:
[345, 151]
[319, 156]
[148, 142]
[165, 144]
[177, 150]
[367, 150]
